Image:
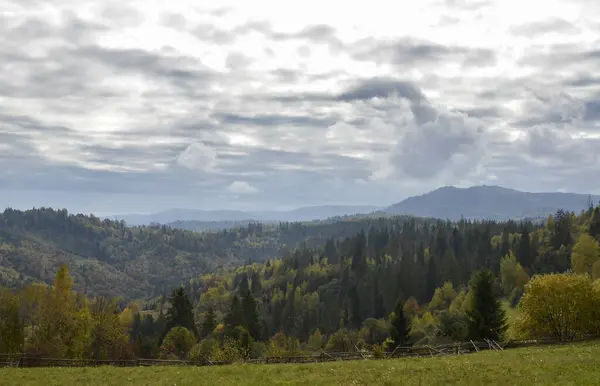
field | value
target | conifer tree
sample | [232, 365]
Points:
[210, 322]
[250, 316]
[181, 312]
[487, 319]
[400, 325]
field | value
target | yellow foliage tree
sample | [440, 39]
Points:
[586, 252]
[512, 275]
[443, 297]
[560, 306]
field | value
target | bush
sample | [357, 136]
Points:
[178, 342]
[561, 306]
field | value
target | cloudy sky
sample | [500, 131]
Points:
[138, 106]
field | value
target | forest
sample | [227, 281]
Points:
[387, 283]
[108, 258]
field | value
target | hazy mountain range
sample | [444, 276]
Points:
[478, 202]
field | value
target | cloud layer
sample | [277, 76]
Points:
[110, 107]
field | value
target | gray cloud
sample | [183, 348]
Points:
[592, 111]
[209, 105]
[409, 52]
[554, 25]
[275, 120]
[381, 88]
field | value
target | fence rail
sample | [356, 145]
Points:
[24, 360]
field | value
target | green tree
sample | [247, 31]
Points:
[512, 275]
[181, 312]
[487, 319]
[525, 255]
[12, 335]
[210, 322]
[250, 316]
[315, 342]
[399, 325]
[234, 317]
[178, 342]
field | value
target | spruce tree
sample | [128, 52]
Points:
[210, 322]
[250, 316]
[400, 326]
[181, 313]
[487, 318]
[234, 317]
[524, 254]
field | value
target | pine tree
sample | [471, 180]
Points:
[524, 254]
[595, 224]
[400, 326]
[250, 316]
[487, 319]
[210, 322]
[181, 312]
[234, 317]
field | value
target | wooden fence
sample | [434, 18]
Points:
[22, 360]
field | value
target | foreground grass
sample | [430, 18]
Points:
[576, 364]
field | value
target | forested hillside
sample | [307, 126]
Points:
[388, 285]
[363, 276]
[108, 258]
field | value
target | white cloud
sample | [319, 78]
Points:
[242, 187]
[197, 156]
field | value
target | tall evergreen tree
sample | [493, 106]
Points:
[400, 325]
[487, 319]
[181, 312]
[250, 316]
[524, 253]
[234, 317]
[209, 323]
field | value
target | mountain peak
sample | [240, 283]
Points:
[488, 202]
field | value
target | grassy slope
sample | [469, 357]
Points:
[555, 365]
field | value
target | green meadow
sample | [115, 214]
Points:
[571, 364]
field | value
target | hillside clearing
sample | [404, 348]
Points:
[573, 364]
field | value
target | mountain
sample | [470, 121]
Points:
[489, 202]
[173, 215]
[308, 213]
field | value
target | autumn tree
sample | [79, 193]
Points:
[512, 276]
[560, 306]
[586, 252]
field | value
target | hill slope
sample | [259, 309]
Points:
[489, 202]
[108, 258]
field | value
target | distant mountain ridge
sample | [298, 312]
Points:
[489, 202]
[308, 213]
[478, 202]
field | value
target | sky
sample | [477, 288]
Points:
[140, 106]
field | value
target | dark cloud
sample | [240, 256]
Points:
[381, 88]
[409, 52]
[592, 111]
[275, 120]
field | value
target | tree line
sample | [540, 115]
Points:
[413, 282]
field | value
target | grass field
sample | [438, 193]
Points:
[575, 364]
